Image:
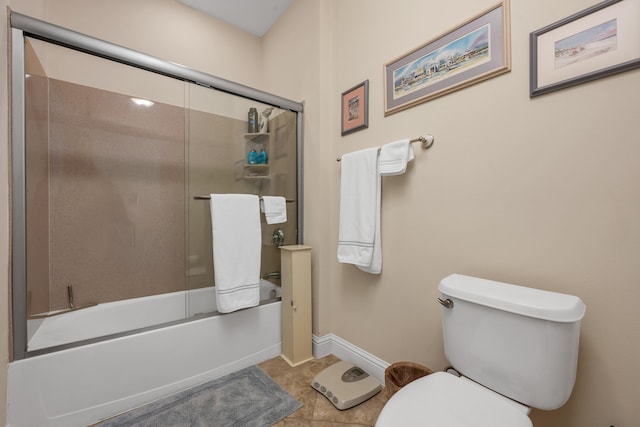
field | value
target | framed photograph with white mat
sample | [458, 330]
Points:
[597, 42]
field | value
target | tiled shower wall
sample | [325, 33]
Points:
[115, 215]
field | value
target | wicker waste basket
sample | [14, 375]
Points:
[399, 374]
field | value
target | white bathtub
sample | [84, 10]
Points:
[120, 316]
[82, 385]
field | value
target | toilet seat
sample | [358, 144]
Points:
[444, 400]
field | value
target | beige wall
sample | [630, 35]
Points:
[306, 29]
[540, 192]
[166, 29]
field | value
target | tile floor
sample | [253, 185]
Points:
[316, 410]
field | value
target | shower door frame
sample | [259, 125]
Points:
[25, 26]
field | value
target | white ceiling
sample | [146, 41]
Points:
[253, 16]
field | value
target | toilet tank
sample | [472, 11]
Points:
[517, 341]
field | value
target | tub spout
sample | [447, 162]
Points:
[70, 295]
[272, 275]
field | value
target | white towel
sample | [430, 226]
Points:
[394, 157]
[359, 230]
[237, 240]
[274, 208]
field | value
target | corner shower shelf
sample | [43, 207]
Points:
[256, 141]
[257, 137]
[259, 171]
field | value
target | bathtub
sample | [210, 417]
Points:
[82, 385]
[121, 316]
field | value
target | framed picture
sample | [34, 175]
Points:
[355, 108]
[474, 51]
[595, 43]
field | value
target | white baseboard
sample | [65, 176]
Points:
[322, 346]
[333, 344]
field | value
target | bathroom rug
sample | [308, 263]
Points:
[247, 398]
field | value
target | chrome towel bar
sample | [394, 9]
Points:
[427, 142]
[209, 198]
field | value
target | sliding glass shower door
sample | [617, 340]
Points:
[117, 160]
[105, 186]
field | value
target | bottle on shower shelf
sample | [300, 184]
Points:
[263, 122]
[263, 158]
[252, 119]
[252, 157]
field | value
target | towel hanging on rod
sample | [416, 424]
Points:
[427, 142]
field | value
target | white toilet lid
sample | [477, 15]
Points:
[444, 400]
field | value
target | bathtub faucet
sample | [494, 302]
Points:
[272, 275]
[70, 296]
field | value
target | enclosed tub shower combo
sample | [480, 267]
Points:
[113, 280]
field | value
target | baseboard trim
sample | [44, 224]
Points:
[333, 344]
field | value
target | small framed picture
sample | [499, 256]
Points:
[355, 108]
[597, 42]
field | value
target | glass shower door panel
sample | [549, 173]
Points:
[219, 144]
[105, 178]
[283, 181]
[216, 121]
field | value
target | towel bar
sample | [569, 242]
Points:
[427, 142]
[209, 198]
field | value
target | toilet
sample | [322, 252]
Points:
[511, 347]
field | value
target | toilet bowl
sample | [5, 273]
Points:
[513, 345]
[445, 400]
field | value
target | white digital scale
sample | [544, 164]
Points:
[345, 385]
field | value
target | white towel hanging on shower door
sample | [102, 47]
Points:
[237, 242]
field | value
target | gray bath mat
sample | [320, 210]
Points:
[247, 398]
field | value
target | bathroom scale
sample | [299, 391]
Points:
[345, 385]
